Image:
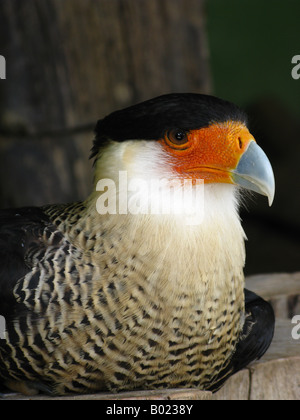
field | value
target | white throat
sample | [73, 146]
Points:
[180, 252]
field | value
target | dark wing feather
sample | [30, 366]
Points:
[255, 339]
[21, 230]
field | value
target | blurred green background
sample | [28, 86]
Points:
[251, 46]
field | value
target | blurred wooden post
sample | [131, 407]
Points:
[68, 63]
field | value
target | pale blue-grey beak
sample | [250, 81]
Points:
[254, 172]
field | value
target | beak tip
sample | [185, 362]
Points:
[270, 185]
[270, 200]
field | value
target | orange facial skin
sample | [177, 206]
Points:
[210, 153]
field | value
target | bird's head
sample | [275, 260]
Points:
[187, 136]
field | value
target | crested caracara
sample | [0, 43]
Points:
[108, 294]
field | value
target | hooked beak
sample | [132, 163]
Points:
[254, 172]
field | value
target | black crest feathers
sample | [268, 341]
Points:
[149, 120]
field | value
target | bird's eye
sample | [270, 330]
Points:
[177, 136]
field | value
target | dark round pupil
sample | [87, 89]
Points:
[179, 135]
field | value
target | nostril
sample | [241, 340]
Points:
[240, 142]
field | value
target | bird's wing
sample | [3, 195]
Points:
[23, 233]
[255, 338]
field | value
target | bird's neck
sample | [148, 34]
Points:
[165, 249]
